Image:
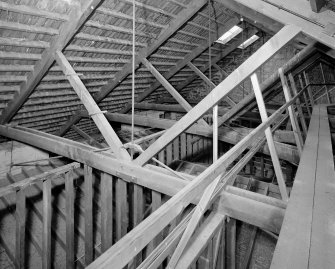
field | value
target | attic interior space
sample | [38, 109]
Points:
[167, 134]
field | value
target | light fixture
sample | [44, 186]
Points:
[248, 42]
[229, 35]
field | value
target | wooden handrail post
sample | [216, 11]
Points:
[69, 220]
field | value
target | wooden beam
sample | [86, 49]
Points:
[296, 13]
[238, 76]
[269, 138]
[169, 88]
[265, 216]
[285, 151]
[94, 111]
[254, 17]
[201, 239]
[78, 15]
[90, 139]
[316, 5]
[105, 162]
[209, 82]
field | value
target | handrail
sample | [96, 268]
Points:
[34, 179]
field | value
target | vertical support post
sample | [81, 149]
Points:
[47, 213]
[294, 123]
[269, 138]
[309, 90]
[106, 211]
[88, 178]
[262, 166]
[20, 228]
[183, 153]
[121, 208]
[215, 133]
[301, 113]
[138, 207]
[156, 201]
[69, 219]
[307, 103]
[221, 262]
[324, 81]
[231, 244]
[216, 247]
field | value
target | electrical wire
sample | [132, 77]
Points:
[133, 82]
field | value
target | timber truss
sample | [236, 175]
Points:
[195, 217]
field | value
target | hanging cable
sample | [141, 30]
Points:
[215, 108]
[133, 83]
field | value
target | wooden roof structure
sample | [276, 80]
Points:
[66, 73]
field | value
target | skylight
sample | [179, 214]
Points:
[248, 42]
[229, 35]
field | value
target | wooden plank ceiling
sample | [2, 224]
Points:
[98, 52]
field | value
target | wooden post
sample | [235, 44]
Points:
[69, 220]
[106, 211]
[88, 214]
[295, 125]
[231, 244]
[221, 261]
[301, 113]
[324, 81]
[20, 229]
[215, 133]
[269, 138]
[309, 90]
[121, 209]
[138, 207]
[156, 201]
[47, 214]
[307, 103]
[183, 147]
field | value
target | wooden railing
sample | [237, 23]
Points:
[19, 189]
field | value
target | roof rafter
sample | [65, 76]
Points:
[78, 17]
